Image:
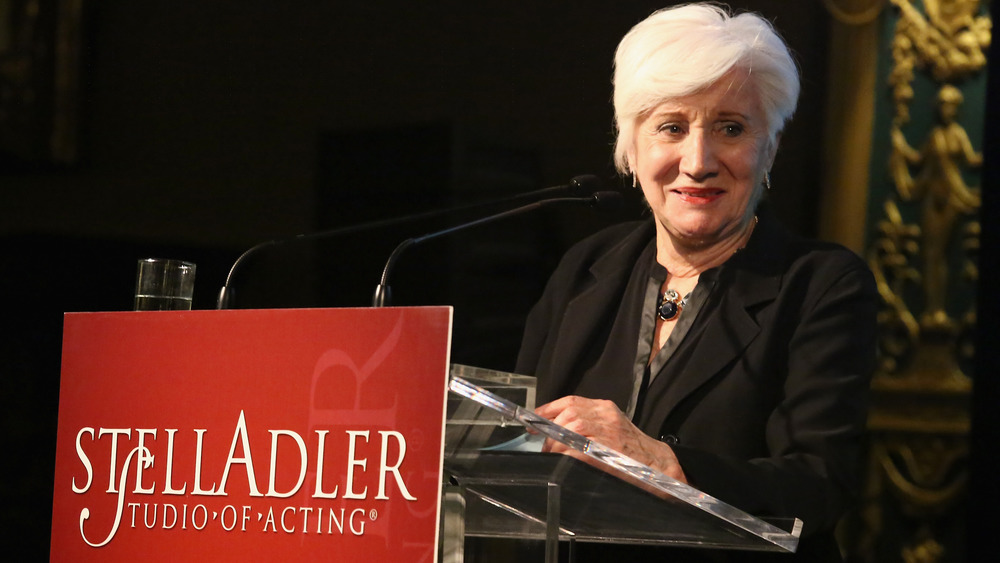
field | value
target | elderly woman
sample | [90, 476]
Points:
[708, 342]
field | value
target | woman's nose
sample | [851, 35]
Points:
[698, 160]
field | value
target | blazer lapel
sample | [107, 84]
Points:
[593, 310]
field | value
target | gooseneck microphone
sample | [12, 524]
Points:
[578, 186]
[383, 296]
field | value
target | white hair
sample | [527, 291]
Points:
[680, 50]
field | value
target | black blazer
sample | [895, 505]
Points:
[765, 399]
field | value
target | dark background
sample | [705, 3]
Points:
[207, 127]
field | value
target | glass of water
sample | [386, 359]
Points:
[164, 285]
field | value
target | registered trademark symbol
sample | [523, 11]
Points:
[372, 515]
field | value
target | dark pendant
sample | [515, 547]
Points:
[668, 310]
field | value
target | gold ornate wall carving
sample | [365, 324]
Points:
[923, 255]
[850, 114]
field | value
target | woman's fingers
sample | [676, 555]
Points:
[603, 422]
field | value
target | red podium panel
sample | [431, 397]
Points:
[291, 435]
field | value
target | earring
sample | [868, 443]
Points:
[767, 180]
[633, 180]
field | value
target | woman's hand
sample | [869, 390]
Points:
[604, 423]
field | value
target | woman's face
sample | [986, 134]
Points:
[701, 161]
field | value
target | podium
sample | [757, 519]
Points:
[251, 435]
[501, 488]
[310, 434]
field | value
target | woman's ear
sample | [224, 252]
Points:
[773, 150]
[630, 160]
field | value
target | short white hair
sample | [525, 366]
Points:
[680, 50]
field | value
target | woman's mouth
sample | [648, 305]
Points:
[698, 196]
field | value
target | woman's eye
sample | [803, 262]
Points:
[732, 129]
[671, 128]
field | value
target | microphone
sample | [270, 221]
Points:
[604, 200]
[577, 186]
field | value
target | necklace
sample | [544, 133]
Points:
[671, 304]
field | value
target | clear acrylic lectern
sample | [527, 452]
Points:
[500, 486]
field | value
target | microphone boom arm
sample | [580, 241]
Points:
[383, 295]
[577, 184]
